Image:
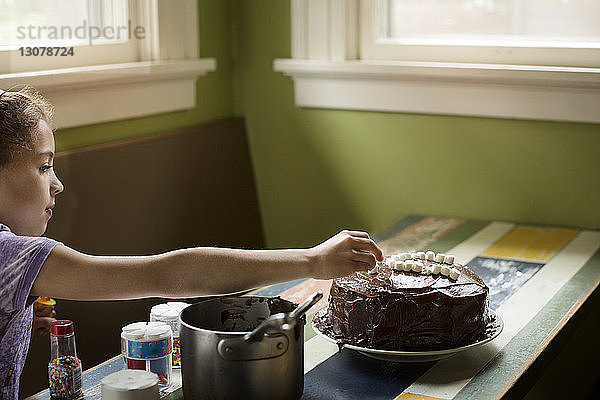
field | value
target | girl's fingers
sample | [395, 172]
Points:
[363, 257]
[367, 245]
[357, 233]
[45, 312]
[41, 325]
[45, 321]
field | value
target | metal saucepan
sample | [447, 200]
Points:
[247, 347]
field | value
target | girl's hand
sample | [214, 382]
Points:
[43, 316]
[344, 253]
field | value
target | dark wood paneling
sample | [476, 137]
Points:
[190, 187]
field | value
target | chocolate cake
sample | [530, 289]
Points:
[419, 301]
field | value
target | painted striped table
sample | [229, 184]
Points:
[539, 277]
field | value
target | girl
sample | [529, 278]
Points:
[32, 265]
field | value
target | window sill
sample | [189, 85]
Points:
[101, 93]
[486, 90]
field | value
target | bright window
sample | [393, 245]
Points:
[528, 59]
[491, 21]
[100, 32]
[46, 22]
[532, 32]
[130, 58]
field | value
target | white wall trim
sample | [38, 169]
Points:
[101, 93]
[503, 91]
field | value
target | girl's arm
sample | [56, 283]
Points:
[68, 274]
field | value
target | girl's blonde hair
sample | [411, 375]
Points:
[20, 114]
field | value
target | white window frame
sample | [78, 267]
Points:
[106, 52]
[579, 54]
[162, 77]
[328, 73]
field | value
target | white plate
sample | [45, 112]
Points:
[493, 328]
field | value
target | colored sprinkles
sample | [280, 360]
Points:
[65, 377]
[176, 352]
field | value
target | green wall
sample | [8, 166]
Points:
[214, 90]
[320, 170]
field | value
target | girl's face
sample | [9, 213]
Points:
[28, 186]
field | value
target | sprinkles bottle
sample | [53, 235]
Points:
[64, 369]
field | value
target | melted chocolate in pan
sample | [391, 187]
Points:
[234, 314]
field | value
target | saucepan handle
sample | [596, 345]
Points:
[281, 321]
[238, 349]
[275, 322]
[306, 305]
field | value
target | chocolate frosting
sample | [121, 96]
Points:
[398, 310]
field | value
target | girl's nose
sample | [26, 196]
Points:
[57, 186]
